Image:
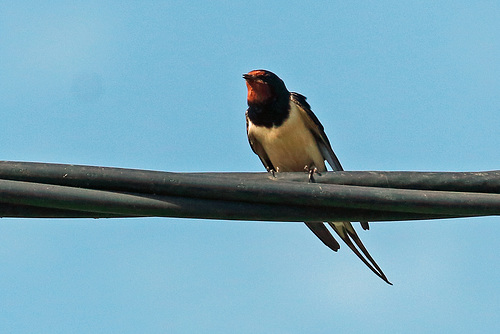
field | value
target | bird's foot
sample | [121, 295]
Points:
[272, 171]
[311, 172]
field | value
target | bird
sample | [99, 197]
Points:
[288, 137]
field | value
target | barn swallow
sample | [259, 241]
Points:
[287, 136]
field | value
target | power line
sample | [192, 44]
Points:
[55, 190]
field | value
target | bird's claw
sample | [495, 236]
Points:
[272, 171]
[311, 172]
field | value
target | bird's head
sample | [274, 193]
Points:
[264, 87]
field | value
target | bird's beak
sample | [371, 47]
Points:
[248, 77]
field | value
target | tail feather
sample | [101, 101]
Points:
[346, 233]
[320, 230]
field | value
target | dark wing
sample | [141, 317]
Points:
[317, 130]
[321, 231]
[258, 149]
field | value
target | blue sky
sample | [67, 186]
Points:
[157, 85]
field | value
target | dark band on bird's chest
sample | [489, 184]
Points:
[269, 115]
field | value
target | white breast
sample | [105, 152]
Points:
[291, 146]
